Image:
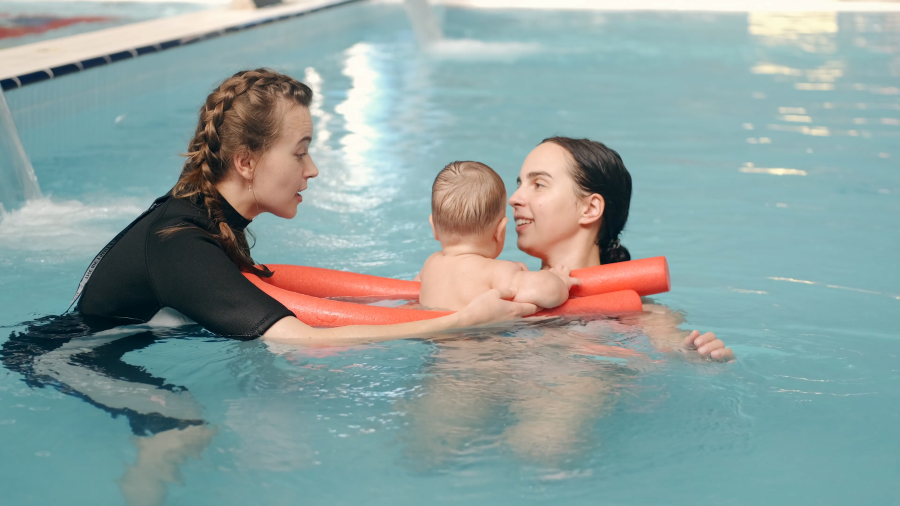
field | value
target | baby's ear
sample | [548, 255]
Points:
[500, 233]
[433, 230]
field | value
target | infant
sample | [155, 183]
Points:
[468, 202]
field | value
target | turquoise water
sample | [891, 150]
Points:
[798, 272]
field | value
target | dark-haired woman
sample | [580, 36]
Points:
[570, 208]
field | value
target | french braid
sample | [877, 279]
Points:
[242, 114]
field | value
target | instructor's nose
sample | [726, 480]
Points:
[311, 171]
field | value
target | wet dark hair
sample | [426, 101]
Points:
[598, 169]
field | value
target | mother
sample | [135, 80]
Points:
[570, 208]
[249, 155]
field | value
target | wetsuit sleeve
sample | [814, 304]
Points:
[191, 274]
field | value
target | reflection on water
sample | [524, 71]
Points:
[811, 31]
[353, 184]
[546, 387]
[824, 114]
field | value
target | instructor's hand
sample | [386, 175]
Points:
[708, 345]
[491, 307]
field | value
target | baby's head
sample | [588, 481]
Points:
[468, 206]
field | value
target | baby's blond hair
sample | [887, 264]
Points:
[467, 198]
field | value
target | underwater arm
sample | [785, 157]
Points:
[661, 325]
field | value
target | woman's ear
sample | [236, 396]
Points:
[244, 163]
[593, 210]
[433, 230]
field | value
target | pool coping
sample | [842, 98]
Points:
[682, 5]
[49, 59]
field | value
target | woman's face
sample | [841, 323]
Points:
[546, 207]
[284, 170]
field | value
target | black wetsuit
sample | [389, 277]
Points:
[187, 271]
[135, 276]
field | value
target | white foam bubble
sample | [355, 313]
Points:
[470, 49]
[69, 227]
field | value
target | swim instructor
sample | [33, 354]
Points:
[249, 155]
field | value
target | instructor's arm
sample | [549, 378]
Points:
[489, 307]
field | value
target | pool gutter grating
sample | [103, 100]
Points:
[20, 81]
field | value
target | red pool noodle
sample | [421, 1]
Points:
[319, 312]
[647, 276]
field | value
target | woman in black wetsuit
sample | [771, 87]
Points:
[186, 255]
[188, 251]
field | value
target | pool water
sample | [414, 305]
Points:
[764, 152]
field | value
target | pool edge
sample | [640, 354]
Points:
[50, 59]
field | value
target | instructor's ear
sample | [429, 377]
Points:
[594, 205]
[433, 230]
[243, 163]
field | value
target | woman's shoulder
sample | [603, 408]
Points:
[181, 213]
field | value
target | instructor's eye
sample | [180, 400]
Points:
[300, 156]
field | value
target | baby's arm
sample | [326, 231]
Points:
[544, 289]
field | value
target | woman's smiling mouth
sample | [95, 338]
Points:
[521, 223]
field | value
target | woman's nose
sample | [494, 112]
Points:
[516, 198]
[312, 171]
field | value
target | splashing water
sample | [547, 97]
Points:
[425, 23]
[67, 227]
[431, 38]
[18, 183]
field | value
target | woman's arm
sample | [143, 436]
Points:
[489, 307]
[661, 325]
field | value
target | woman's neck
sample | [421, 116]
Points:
[235, 191]
[578, 252]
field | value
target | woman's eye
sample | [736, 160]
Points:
[301, 155]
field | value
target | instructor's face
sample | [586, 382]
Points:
[284, 170]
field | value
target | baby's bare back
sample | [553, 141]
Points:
[451, 282]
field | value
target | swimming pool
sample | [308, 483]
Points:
[764, 155]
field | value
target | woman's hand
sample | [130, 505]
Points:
[707, 345]
[493, 306]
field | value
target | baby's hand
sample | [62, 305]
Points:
[564, 273]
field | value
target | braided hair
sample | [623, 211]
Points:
[598, 169]
[243, 114]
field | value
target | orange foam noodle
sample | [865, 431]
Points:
[319, 312]
[646, 276]
[320, 282]
[610, 304]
